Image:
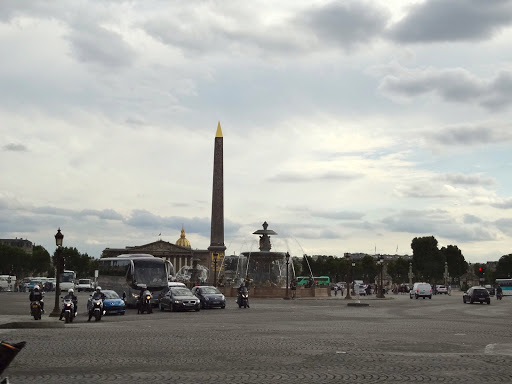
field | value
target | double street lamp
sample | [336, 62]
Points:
[349, 282]
[58, 270]
[380, 294]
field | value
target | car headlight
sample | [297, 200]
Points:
[177, 301]
[222, 297]
[135, 296]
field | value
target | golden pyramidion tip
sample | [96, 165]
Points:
[219, 131]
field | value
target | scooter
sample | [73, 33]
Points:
[243, 299]
[8, 352]
[145, 303]
[68, 310]
[96, 308]
[35, 310]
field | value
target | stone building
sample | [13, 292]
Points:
[25, 245]
[179, 254]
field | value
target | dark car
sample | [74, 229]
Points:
[178, 299]
[476, 295]
[209, 296]
[113, 303]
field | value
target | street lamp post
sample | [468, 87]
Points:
[380, 294]
[287, 256]
[348, 297]
[410, 275]
[58, 261]
[215, 255]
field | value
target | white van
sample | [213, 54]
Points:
[84, 285]
[359, 288]
[421, 290]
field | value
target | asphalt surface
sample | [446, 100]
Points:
[396, 340]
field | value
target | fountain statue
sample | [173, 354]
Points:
[265, 268]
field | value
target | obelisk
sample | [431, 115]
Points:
[217, 246]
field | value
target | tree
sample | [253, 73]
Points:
[504, 267]
[368, 269]
[41, 260]
[82, 264]
[398, 269]
[14, 260]
[457, 265]
[427, 261]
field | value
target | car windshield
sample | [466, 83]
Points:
[84, 281]
[179, 291]
[210, 291]
[111, 294]
[480, 291]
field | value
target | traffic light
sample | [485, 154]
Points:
[480, 272]
[61, 263]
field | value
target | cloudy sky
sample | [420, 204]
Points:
[349, 126]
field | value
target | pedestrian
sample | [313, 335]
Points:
[335, 290]
[449, 289]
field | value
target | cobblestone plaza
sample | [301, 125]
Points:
[396, 340]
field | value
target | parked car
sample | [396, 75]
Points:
[491, 290]
[209, 297]
[476, 295]
[441, 289]
[84, 285]
[178, 299]
[421, 290]
[113, 304]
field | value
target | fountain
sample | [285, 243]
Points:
[265, 268]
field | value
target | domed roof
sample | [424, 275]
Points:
[182, 241]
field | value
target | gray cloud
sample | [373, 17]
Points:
[105, 214]
[505, 225]
[469, 135]
[461, 179]
[295, 177]
[94, 44]
[453, 85]
[15, 147]
[346, 24]
[438, 223]
[504, 204]
[339, 215]
[472, 219]
[461, 20]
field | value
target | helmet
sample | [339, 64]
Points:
[98, 288]
[70, 290]
[36, 288]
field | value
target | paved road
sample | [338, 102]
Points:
[396, 340]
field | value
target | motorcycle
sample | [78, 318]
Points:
[499, 296]
[145, 303]
[68, 310]
[243, 299]
[8, 352]
[96, 308]
[35, 310]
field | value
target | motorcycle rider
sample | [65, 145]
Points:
[74, 299]
[96, 296]
[242, 288]
[37, 295]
